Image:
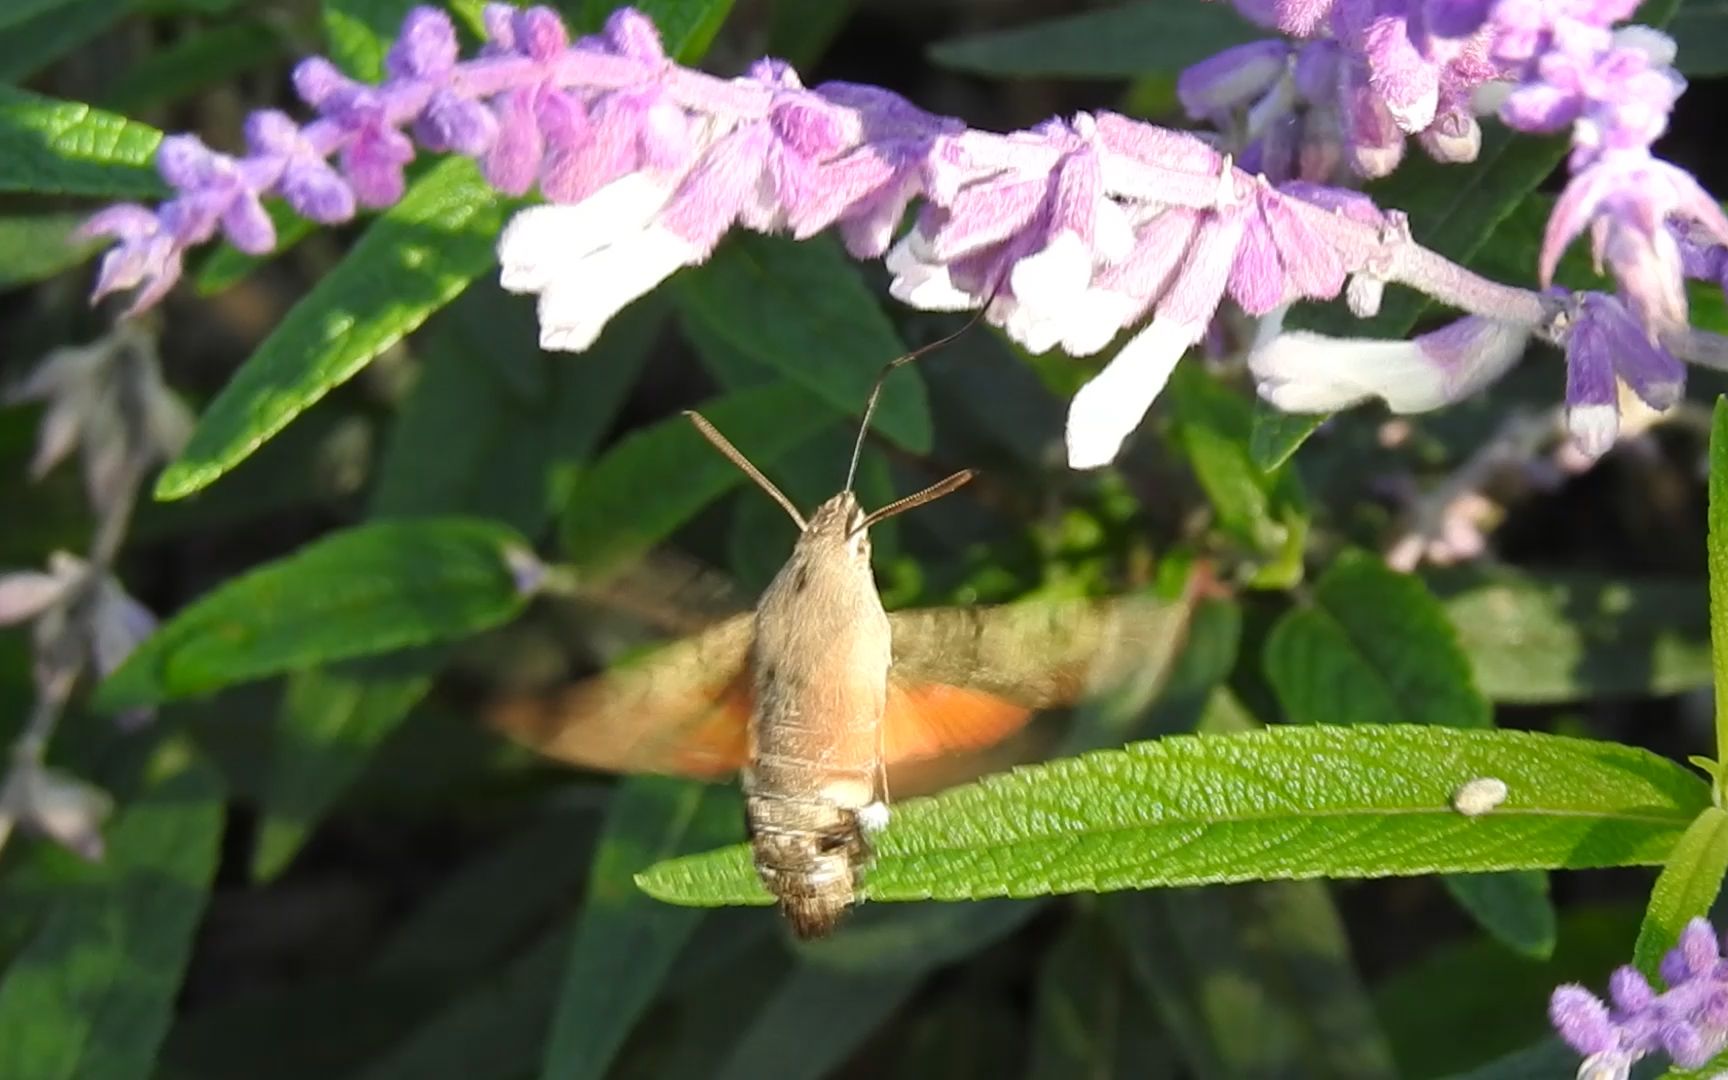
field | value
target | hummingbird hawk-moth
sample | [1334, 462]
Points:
[820, 698]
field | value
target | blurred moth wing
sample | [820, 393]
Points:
[961, 680]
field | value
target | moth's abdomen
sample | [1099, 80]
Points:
[808, 853]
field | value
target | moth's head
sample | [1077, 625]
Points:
[839, 524]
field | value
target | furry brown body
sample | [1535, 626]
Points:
[821, 656]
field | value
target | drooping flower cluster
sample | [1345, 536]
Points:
[1389, 67]
[1071, 232]
[1688, 1022]
[107, 400]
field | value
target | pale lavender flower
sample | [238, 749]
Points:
[1688, 1022]
[108, 400]
[83, 618]
[53, 804]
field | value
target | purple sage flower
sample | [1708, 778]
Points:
[1688, 1022]
[1079, 233]
[1606, 346]
[1342, 103]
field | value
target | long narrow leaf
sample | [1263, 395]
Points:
[1296, 802]
[361, 592]
[625, 943]
[93, 989]
[1686, 888]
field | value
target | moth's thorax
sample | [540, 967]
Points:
[820, 659]
[822, 649]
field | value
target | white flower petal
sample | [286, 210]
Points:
[57, 435]
[1054, 276]
[1112, 232]
[1301, 371]
[920, 281]
[26, 594]
[1594, 428]
[57, 805]
[1108, 409]
[542, 242]
[1098, 315]
[1653, 43]
[589, 291]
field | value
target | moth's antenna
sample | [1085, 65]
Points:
[876, 391]
[712, 435]
[930, 494]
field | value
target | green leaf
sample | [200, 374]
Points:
[495, 900]
[801, 30]
[1686, 888]
[1555, 637]
[1513, 906]
[38, 246]
[17, 11]
[1124, 42]
[493, 421]
[367, 590]
[490, 1028]
[915, 937]
[803, 311]
[1540, 1061]
[1717, 550]
[1262, 510]
[1698, 28]
[31, 46]
[1089, 1019]
[1278, 435]
[199, 59]
[69, 148]
[814, 1022]
[1253, 981]
[329, 722]
[409, 263]
[658, 477]
[625, 943]
[360, 31]
[1286, 802]
[1374, 647]
[93, 990]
